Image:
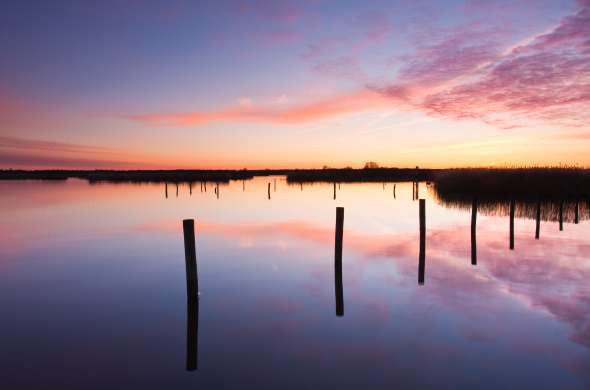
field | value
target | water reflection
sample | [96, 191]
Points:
[512, 206]
[192, 334]
[422, 255]
[473, 232]
[267, 273]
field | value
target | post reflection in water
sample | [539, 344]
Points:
[561, 216]
[422, 255]
[192, 333]
[512, 206]
[538, 221]
[338, 262]
[473, 232]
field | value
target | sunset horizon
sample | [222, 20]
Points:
[284, 84]
[295, 194]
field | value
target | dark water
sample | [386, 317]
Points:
[93, 290]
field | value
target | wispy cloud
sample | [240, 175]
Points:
[472, 72]
[31, 153]
[355, 102]
[546, 78]
[40, 145]
[31, 160]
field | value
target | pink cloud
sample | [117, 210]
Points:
[470, 72]
[544, 79]
[339, 105]
[41, 145]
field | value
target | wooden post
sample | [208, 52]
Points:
[166, 190]
[394, 191]
[577, 213]
[192, 334]
[417, 190]
[512, 206]
[422, 256]
[561, 215]
[217, 190]
[268, 190]
[177, 190]
[538, 221]
[190, 257]
[190, 188]
[473, 232]
[334, 190]
[338, 262]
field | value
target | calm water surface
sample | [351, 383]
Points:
[93, 290]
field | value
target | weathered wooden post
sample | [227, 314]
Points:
[190, 188]
[577, 213]
[538, 221]
[166, 190]
[338, 262]
[561, 215]
[512, 206]
[217, 190]
[192, 295]
[394, 191]
[473, 232]
[334, 190]
[192, 334]
[417, 190]
[422, 255]
[268, 190]
[190, 257]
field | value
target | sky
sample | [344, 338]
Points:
[131, 84]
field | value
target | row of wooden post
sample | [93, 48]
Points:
[415, 189]
[192, 282]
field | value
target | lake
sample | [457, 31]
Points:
[93, 290]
